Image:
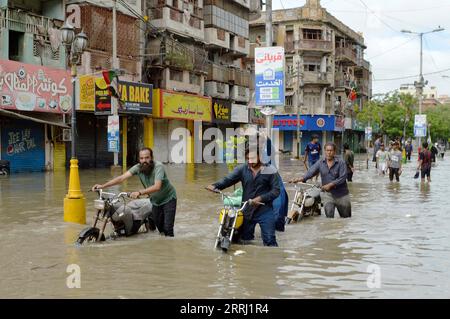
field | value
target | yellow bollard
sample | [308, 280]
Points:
[74, 202]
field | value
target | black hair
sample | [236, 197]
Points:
[147, 149]
[425, 144]
[346, 147]
[332, 145]
[314, 137]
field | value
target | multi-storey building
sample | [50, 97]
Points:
[95, 18]
[193, 57]
[35, 88]
[324, 62]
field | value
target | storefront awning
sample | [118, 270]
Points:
[30, 118]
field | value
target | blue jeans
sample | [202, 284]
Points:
[266, 220]
[312, 162]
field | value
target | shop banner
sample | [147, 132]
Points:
[173, 105]
[113, 134]
[102, 98]
[269, 76]
[87, 93]
[307, 122]
[221, 112]
[135, 98]
[339, 125]
[239, 113]
[26, 87]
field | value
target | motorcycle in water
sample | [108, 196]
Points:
[306, 202]
[231, 219]
[4, 167]
[126, 217]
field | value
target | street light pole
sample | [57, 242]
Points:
[74, 202]
[421, 84]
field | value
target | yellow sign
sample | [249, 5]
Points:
[182, 106]
[87, 91]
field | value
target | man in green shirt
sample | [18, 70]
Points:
[349, 158]
[156, 184]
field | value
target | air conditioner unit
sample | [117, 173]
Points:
[67, 135]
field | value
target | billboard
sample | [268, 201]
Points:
[420, 125]
[26, 87]
[269, 76]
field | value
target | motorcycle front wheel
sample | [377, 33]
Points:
[90, 235]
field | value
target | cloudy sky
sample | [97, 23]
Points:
[394, 54]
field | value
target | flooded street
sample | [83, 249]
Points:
[400, 229]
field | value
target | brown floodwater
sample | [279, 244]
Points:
[399, 229]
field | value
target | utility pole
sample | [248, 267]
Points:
[114, 108]
[269, 42]
[421, 84]
[299, 104]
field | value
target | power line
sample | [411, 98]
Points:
[391, 49]
[411, 76]
[431, 55]
[373, 12]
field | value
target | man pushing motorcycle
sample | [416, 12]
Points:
[260, 185]
[156, 184]
[333, 172]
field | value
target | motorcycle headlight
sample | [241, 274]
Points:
[309, 202]
[99, 204]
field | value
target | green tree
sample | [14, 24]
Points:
[439, 120]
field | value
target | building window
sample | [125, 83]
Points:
[194, 79]
[312, 34]
[176, 75]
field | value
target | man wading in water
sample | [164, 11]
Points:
[333, 172]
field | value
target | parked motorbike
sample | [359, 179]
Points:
[306, 202]
[4, 167]
[127, 217]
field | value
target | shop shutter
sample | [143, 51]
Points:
[23, 145]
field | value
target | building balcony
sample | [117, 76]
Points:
[346, 56]
[218, 73]
[217, 90]
[217, 37]
[340, 83]
[320, 78]
[21, 21]
[244, 3]
[314, 45]
[185, 57]
[240, 77]
[240, 94]
[239, 46]
[176, 21]
[182, 84]
[363, 86]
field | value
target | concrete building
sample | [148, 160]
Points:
[194, 56]
[35, 88]
[429, 92]
[324, 61]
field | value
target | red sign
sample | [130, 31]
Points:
[288, 122]
[26, 87]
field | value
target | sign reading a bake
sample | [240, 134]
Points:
[26, 87]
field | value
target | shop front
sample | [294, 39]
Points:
[321, 125]
[177, 118]
[135, 110]
[33, 102]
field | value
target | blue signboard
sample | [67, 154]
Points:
[269, 76]
[113, 134]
